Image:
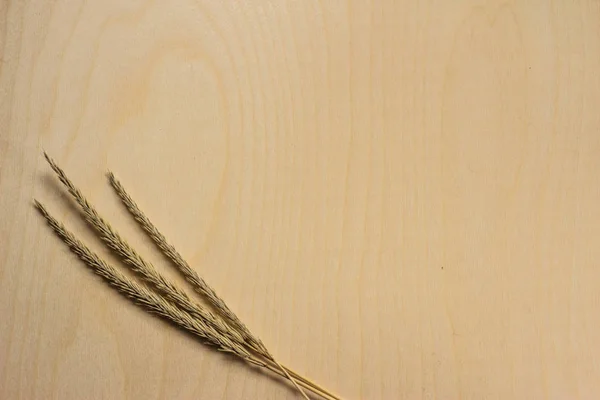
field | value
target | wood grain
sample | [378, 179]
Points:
[401, 198]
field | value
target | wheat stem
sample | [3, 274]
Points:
[310, 383]
[305, 383]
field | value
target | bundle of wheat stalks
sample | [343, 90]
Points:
[215, 323]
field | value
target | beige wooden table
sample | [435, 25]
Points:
[402, 199]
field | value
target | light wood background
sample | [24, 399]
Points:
[401, 198]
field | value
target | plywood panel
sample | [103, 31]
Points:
[400, 198]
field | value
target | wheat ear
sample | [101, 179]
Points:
[197, 283]
[144, 268]
[149, 273]
[150, 301]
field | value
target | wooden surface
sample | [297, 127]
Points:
[402, 199]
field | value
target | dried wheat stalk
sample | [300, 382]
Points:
[154, 303]
[197, 283]
[226, 333]
[149, 273]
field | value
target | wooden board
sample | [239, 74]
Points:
[401, 198]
